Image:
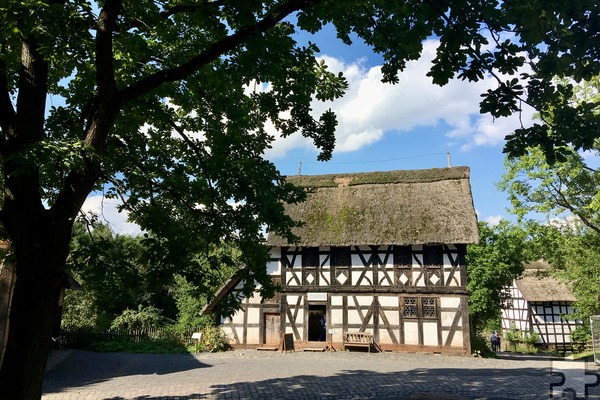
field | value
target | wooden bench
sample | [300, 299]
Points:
[357, 339]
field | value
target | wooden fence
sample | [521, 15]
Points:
[82, 337]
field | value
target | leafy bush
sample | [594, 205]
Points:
[214, 339]
[513, 336]
[580, 337]
[480, 347]
[531, 339]
[142, 318]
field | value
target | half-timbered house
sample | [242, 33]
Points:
[380, 253]
[541, 304]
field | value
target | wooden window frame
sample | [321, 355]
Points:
[436, 308]
[414, 299]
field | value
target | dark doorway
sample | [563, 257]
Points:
[316, 322]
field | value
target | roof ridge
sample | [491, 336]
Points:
[380, 177]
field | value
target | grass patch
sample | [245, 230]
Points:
[583, 356]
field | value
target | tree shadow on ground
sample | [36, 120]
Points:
[85, 368]
[418, 384]
[528, 357]
[437, 382]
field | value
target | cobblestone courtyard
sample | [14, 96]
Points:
[251, 374]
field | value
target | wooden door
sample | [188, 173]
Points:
[271, 328]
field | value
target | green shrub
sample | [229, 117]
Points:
[531, 339]
[143, 318]
[480, 347]
[514, 337]
[580, 337]
[214, 339]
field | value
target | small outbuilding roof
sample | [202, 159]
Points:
[537, 285]
[538, 288]
[430, 206]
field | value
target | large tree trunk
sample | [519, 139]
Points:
[41, 252]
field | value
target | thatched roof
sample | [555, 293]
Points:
[537, 285]
[540, 266]
[385, 208]
[544, 288]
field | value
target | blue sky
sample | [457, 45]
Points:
[410, 125]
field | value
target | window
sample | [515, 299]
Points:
[310, 257]
[433, 259]
[433, 256]
[420, 307]
[310, 263]
[403, 265]
[429, 307]
[409, 309]
[340, 257]
[340, 264]
[402, 256]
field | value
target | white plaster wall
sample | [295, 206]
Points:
[362, 300]
[418, 278]
[457, 339]
[256, 299]
[384, 336]
[368, 277]
[337, 300]
[337, 335]
[449, 302]
[254, 315]
[227, 331]
[383, 281]
[238, 317]
[447, 318]
[393, 317]
[252, 336]
[337, 317]
[411, 332]
[430, 334]
[388, 301]
[354, 317]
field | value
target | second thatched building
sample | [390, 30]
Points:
[381, 254]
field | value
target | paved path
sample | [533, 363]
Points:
[250, 374]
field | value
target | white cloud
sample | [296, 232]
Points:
[494, 220]
[108, 213]
[371, 109]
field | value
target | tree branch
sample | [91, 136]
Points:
[561, 200]
[201, 154]
[107, 21]
[216, 50]
[103, 111]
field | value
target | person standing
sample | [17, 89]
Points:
[494, 341]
